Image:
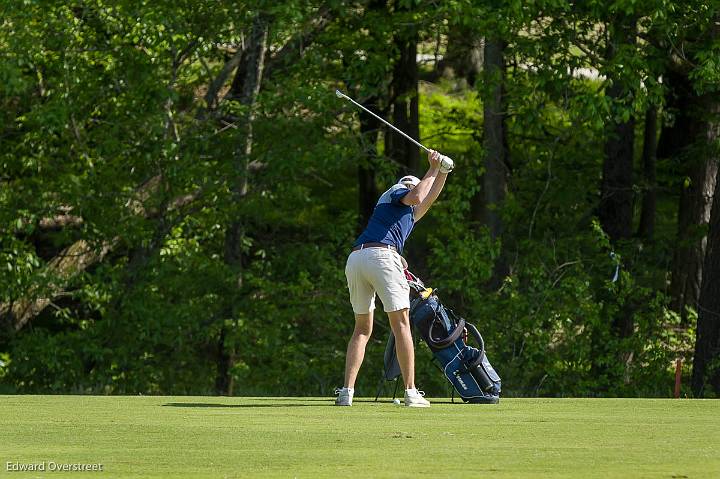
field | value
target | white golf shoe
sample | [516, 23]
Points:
[414, 398]
[345, 396]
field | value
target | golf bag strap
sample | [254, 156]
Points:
[452, 337]
[476, 334]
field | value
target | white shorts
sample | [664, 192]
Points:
[380, 270]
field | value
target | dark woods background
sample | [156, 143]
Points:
[179, 189]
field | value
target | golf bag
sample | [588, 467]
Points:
[467, 368]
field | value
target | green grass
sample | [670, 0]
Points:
[308, 437]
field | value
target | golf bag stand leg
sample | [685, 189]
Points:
[381, 386]
[391, 367]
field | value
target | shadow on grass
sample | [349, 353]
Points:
[200, 404]
[328, 399]
[290, 399]
[271, 401]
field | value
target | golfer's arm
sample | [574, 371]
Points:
[435, 190]
[418, 194]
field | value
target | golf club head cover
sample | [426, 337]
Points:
[446, 164]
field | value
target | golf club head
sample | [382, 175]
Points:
[339, 94]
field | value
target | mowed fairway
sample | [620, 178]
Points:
[308, 437]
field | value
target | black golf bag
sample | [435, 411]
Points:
[467, 368]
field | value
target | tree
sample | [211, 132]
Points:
[616, 192]
[706, 370]
[683, 141]
[245, 89]
[464, 54]
[706, 362]
[646, 228]
[175, 212]
[366, 73]
[497, 164]
[404, 94]
[367, 186]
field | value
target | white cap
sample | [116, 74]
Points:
[409, 181]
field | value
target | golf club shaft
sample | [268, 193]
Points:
[342, 95]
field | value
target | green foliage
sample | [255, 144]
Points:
[104, 119]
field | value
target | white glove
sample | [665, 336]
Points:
[446, 164]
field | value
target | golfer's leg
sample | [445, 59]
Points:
[400, 324]
[356, 347]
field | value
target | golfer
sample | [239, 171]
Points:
[375, 266]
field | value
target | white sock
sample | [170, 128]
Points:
[349, 391]
[411, 392]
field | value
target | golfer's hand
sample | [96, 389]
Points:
[434, 159]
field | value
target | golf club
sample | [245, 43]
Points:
[445, 161]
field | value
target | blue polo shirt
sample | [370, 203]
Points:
[391, 221]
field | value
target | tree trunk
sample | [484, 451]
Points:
[404, 95]
[223, 379]
[616, 201]
[370, 129]
[245, 89]
[695, 205]
[616, 205]
[695, 202]
[706, 364]
[487, 203]
[71, 261]
[464, 55]
[246, 86]
[211, 96]
[367, 189]
[646, 229]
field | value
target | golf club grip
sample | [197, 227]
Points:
[418, 144]
[448, 160]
